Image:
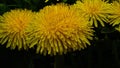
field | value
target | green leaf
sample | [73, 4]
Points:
[35, 1]
[3, 8]
[27, 1]
[107, 30]
[64, 0]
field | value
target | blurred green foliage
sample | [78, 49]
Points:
[35, 5]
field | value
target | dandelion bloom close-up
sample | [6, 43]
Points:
[115, 13]
[13, 26]
[95, 10]
[58, 29]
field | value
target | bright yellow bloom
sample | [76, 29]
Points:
[58, 29]
[95, 10]
[13, 26]
[115, 13]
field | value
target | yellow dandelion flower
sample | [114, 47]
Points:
[58, 29]
[115, 13]
[12, 28]
[95, 10]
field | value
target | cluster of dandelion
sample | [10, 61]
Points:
[57, 29]
[99, 11]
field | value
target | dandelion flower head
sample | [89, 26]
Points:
[12, 28]
[95, 10]
[115, 13]
[58, 29]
